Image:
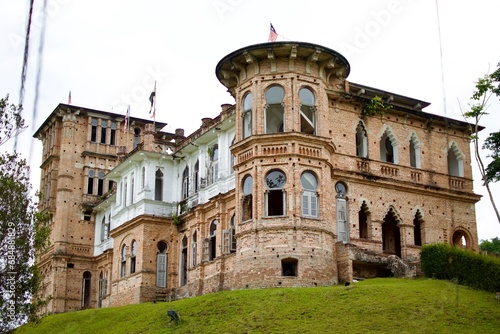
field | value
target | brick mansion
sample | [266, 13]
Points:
[295, 184]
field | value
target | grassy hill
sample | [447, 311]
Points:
[373, 306]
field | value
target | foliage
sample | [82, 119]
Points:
[387, 305]
[23, 232]
[11, 122]
[492, 143]
[376, 106]
[444, 261]
[486, 87]
[492, 245]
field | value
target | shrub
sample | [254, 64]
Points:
[447, 262]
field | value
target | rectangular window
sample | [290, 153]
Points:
[112, 134]
[161, 270]
[275, 203]
[342, 224]
[93, 130]
[226, 241]
[103, 132]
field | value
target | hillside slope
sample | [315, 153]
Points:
[372, 306]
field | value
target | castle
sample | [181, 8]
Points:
[307, 180]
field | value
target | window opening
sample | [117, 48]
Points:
[133, 257]
[274, 114]
[247, 115]
[194, 249]
[123, 266]
[112, 134]
[184, 257]
[159, 185]
[289, 267]
[212, 240]
[100, 183]
[103, 131]
[247, 198]
[185, 183]
[307, 111]
[90, 184]
[342, 213]
[93, 130]
[86, 289]
[361, 141]
[309, 194]
[275, 203]
[137, 134]
[161, 265]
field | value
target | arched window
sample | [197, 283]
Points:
[247, 201]
[212, 248]
[100, 183]
[123, 264]
[342, 213]
[184, 257]
[194, 249]
[414, 151]
[86, 289]
[108, 226]
[388, 148]
[161, 265]
[361, 141]
[196, 175]
[112, 134]
[307, 111]
[137, 136]
[309, 194]
[133, 257]
[417, 230]
[363, 218]
[100, 293]
[90, 183]
[231, 158]
[247, 115]
[103, 131]
[215, 162]
[275, 110]
[185, 183]
[455, 161]
[93, 130]
[275, 194]
[159, 185]
[125, 192]
[104, 229]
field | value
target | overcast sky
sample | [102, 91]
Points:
[109, 53]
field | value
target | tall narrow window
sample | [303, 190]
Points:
[143, 177]
[275, 194]
[307, 111]
[93, 130]
[275, 110]
[125, 193]
[342, 221]
[132, 188]
[103, 131]
[100, 183]
[112, 134]
[455, 161]
[111, 185]
[185, 183]
[212, 240]
[247, 201]
[414, 151]
[123, 264]
[161, 265]
[388, 148]
[232, 229]
[108, 226]
[100, 293]
[194, 249]
[215, 162]
[231, 161]
[196, 177]
[247, 115]
[133, 257]
[159, 185]
[86, 289]
[90, 183]
[417, 231]
[184, 257]
[361, 141]
[104, 229]
[137, 136]
[363, 221]
[309, 194]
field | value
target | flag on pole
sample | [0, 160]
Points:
[125, 124]
[272, 34]
[152, 99]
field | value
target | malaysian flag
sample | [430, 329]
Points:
[272, 34]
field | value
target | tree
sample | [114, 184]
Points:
[486, 87]
[23, 230]
[492, 245]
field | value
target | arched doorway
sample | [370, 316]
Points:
[391, 236]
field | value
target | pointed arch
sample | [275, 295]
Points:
[364, 221]
[418, 221]
[361, 140]
[455, 160]
[388, 146]
[391, 235]
[414, 150]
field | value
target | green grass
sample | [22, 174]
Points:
[373, 306]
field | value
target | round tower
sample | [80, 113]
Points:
[286, 224]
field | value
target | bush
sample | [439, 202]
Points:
[447, 262]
